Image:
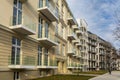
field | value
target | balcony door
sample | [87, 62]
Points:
[15, 54]
[46, 30]
[17, 13]
[40, 28]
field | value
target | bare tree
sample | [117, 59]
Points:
[116, 32]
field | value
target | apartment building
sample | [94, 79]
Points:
[37, 38]
[101, 53]
[40, 38]
[92, 50]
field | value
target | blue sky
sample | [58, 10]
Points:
[99, 14]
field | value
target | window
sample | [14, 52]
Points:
[17, 12]
[15, 54]
[40, 27]
[57, 11]
[16, 76]
[58, 47]
[61, 31]
[63, 50]
[46, 57]
[46, 29]
[39, 55]
[56, 28]
[40, 3]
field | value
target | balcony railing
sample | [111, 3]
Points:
[21, 62]
[72, 20]
[48, 10]
[72, 36]
[52, 64]
[48, 39]
[23, 25]
[71, 51]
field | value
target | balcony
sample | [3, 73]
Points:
[79, 44]
[79, 32]
[71, 66]
[78, 57]
[27, 62]
[72, 36]
[60, 57]
[48, 41]
[48, 10]
[52, 65]
[71, 52]
[76, 41]
[75, 27]
[75, 55]
[23, 26]
[71, 20]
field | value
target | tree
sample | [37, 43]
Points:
[116, 31]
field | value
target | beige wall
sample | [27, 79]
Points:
[5, 47]
[5, 75]
[6, 13]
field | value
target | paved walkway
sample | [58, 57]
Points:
[114, 76]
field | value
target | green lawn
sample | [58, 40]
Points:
[94, 72]
[65, 77]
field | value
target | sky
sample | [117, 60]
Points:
[100, 16]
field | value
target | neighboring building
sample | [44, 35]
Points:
[92, 51]
[101, 53]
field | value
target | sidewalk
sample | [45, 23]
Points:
[114, 76]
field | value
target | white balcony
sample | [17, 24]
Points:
[72, 36]
[76, 41]
[48, 42]
[71, 20]
[52, 64]
[71, 52]
[75, 55]
[79, 44]
[79, 32]
[49, 12]
[75, 27]
[25, 26]
[47, 67]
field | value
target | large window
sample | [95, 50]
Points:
[46, 57]
[39, 55]
[15, 54]
[17, 12]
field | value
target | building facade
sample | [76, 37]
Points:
[101, 53]
[40, 38]
[37, 38]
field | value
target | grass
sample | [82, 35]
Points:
[66, 77]
[94, 72]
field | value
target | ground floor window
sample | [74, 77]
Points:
[16, 76]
